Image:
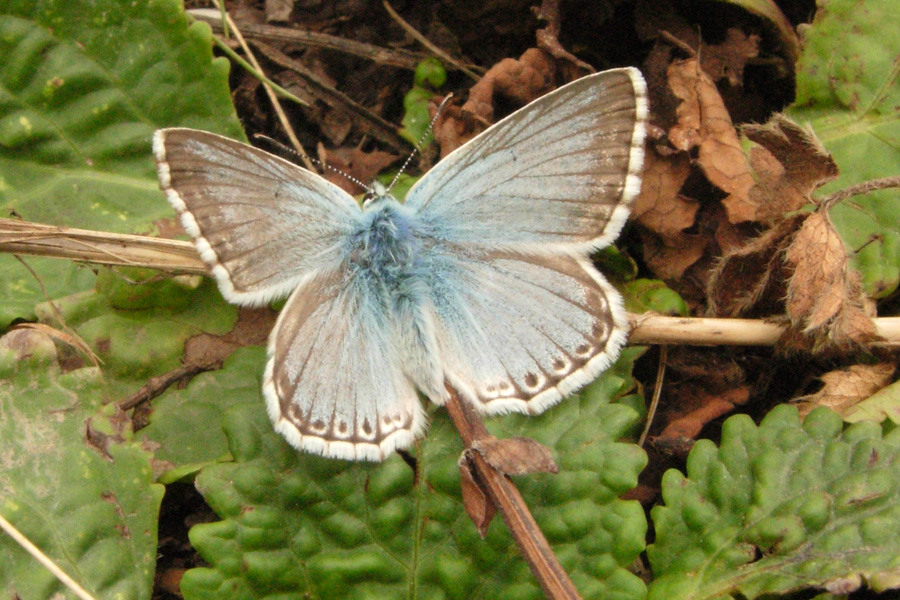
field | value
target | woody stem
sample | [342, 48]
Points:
[506, 498]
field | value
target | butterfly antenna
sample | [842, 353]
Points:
[299, 155]
[421, 141]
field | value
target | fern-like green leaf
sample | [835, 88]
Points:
[780, 507]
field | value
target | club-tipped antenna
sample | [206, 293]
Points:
[421, 141]
[326, 167]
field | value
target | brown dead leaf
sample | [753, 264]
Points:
[518, 81]
[516, 456]
[477, 503]
[788, 163]
[728, 59]
[704, 123]
[703, 384]
[703, 408]
[364, 166]
[825, 301]
[666, 214]
[548, 37]
[723, 61]
[669, 259]
[845, 388]
[750, 280]
[659, 207]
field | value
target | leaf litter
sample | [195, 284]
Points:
[759, 246]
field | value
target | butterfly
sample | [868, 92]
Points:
[480, 280]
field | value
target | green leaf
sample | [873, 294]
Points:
[883, 404]
[176, 414]
[83, 85]
[97, 515]
[82, 88]
[643, 295]
[296, 524]
[92, 510]
[430, 75]
[135, 344]
[847, 89]
[778, 508]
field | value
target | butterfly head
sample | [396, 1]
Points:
[377, 194]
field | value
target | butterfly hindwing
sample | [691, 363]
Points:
[259, 222]
[558, 173]
[519, 332]
[334, 383]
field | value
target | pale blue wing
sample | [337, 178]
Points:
[334, 384]
[259, 222]
[557, 174]
[517, 333]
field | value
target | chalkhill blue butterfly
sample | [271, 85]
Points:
[480, 280]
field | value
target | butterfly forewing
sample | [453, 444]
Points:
[559, 173]
[259, 222]
[334, 384]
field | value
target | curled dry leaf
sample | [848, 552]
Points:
[704, 123]
[702, 408]
[825, 301]
[520, 81]
[789, 260]
[703, 384]
[477, 503]
[843, 389]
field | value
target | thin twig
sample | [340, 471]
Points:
[657, 391]
[506, 497]
[300, 37]
[427, 43]
[156, 386]
[273, 97]
[860, 188]
[368, 121]
[22, 237]
[659, 329]
[68, 337]
[45, 560]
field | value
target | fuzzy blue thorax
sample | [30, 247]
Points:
[386, 245]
